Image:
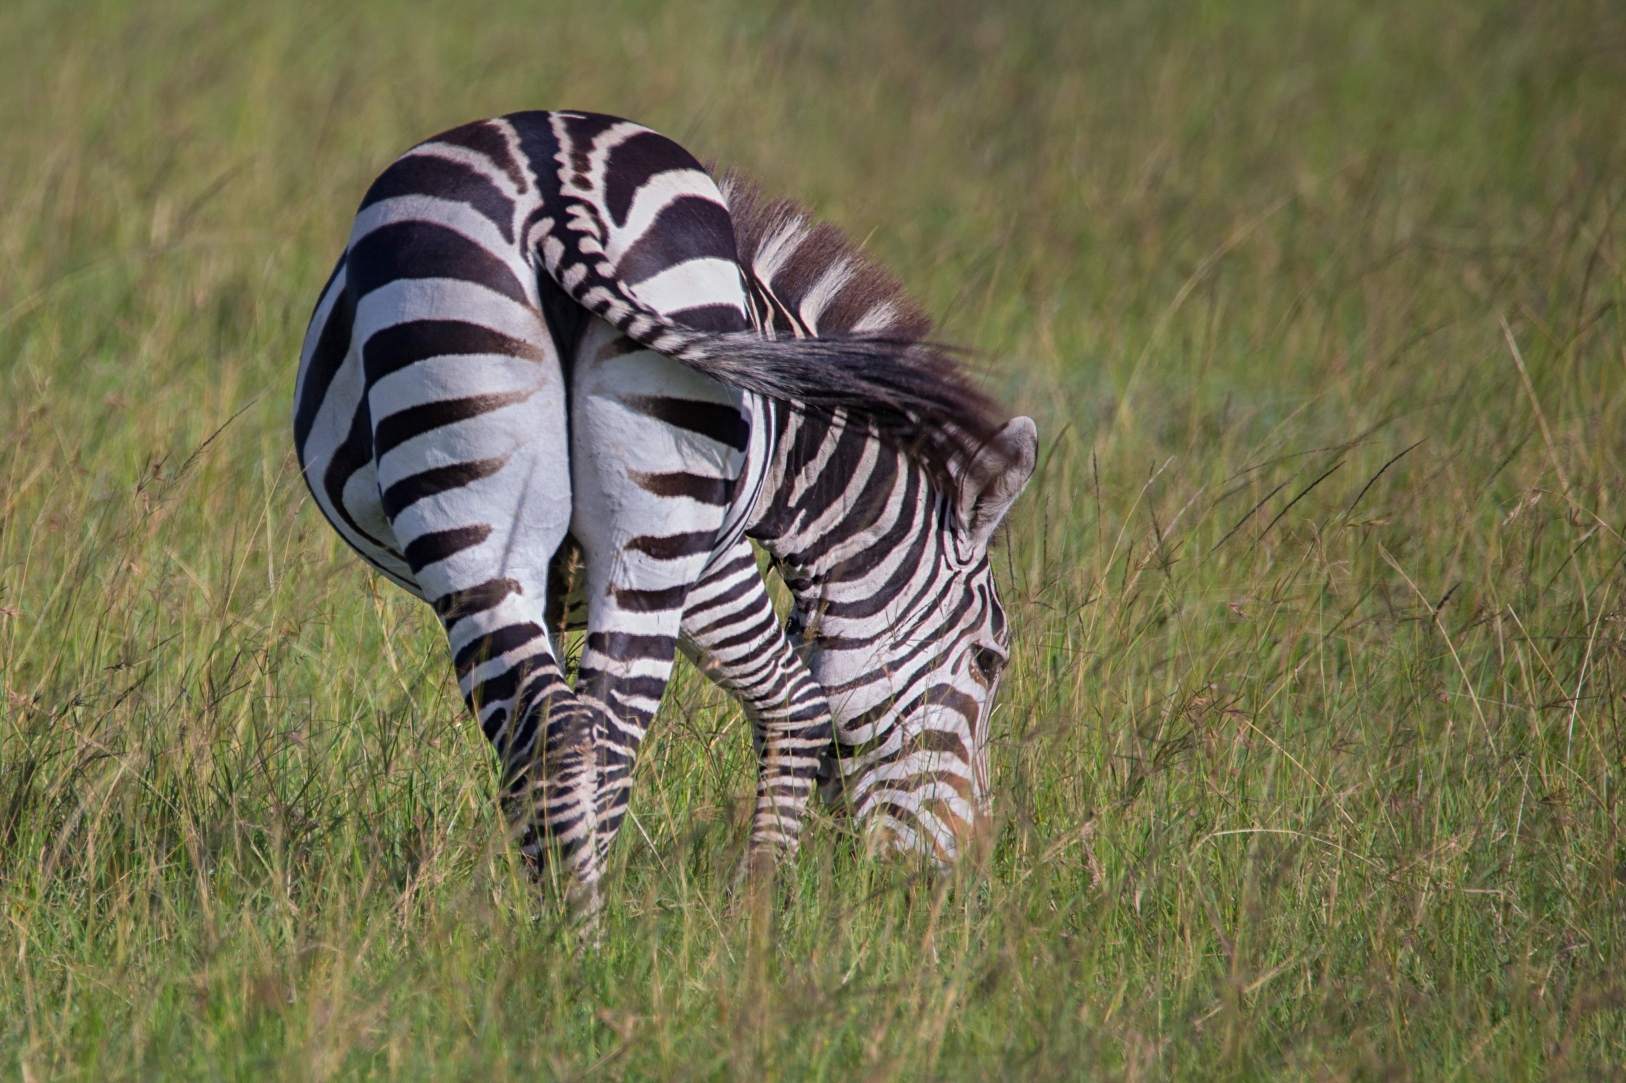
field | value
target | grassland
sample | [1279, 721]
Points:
[1309, 764]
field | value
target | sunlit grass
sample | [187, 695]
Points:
[1309, 758]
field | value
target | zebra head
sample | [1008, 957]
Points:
[908, 638]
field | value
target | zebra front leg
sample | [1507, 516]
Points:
[731, 632]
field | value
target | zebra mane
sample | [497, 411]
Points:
[911, 390]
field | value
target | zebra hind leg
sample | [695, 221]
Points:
[545, 737]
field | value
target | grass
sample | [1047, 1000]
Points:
[1310, 758]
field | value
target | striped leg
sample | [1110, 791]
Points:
[465, 403]
[479, 555]
[732, 633]
[655, 451]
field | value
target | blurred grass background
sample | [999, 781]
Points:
[1309, 762]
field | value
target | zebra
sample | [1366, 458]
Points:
[561, 378]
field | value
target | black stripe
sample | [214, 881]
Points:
[643, 687]
[393, 348]
[673, 546]
[836, 475]
[895, 537]
[625, 646]
[619, 346]
[332, 346]
[804, 443]
[493, 723]
[937, 583]
[570, 724]
[739, 564]
[485, 138]
[696, 487]
[413, 249]
[428, 548]
[540, 149]
[940, 694]
[927, 740]
[756, 606]
[498, 688]
[714, 420]
[632, 163]
[493, 644]
[865, 508]
[582, 129]
[456, 605]
[717, 318]
[935, 805]
[732, 594]
[332, 275]
[403, 425]
[350, 456]
[925, 656]
[689, 227]
[749, 678]
[906, 817]
[813, 712]
[649, 601]
[537, 213]
[781, 318]
[441, 178]
[627, 712]
[409, 490]
[612, 757]
[924, 604]
[757, 631]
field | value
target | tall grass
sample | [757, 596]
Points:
[1310, 757]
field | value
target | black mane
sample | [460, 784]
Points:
[880, 364]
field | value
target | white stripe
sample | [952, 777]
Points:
[474, 159]
[449, 298]
[324, 309]
[695, 282]
[880, 318]
[437, 378]
[817, 299]
[775, 250]
[451, 213]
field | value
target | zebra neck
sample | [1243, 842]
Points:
[846, 517]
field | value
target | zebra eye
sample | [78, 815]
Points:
[988, 662]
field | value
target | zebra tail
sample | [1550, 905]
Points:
[913, 393]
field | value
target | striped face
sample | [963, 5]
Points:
[906, 634]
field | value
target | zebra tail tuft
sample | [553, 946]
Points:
[914, 394]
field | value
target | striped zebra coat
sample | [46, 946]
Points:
[561, 378]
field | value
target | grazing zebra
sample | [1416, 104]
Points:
[560, 378]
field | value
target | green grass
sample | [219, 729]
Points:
[1309, 764]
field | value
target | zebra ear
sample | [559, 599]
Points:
[996, 476]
